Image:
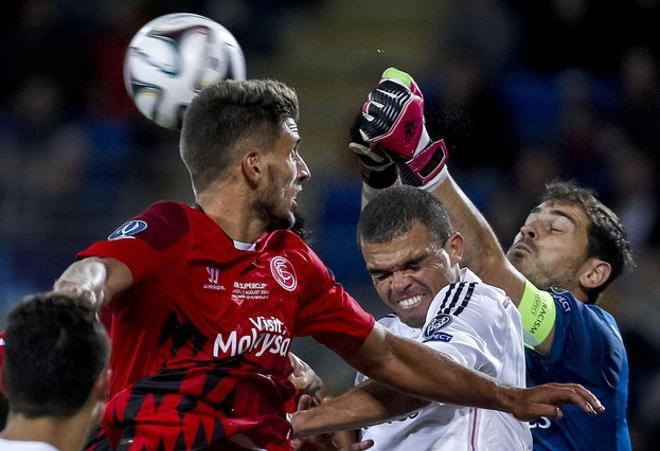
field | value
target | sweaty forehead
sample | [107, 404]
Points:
[291, 126]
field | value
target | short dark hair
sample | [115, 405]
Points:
[227, 114]
[393, 211]
[606, 237]
[55, 350]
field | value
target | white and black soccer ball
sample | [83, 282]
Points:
[172, 58]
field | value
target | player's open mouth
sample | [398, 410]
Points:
[410, 302]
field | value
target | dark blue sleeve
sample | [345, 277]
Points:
[586, 341]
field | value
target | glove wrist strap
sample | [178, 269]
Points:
[379, 179]
[427, 167]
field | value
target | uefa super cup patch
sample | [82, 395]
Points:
[441, 320]
[128, 230]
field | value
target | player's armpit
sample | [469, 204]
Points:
[97, 280]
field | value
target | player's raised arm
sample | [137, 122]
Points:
[392, 125]
[98, 280]
[483, 253]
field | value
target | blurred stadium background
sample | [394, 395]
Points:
[523, 91]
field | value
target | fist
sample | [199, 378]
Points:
[394, 114]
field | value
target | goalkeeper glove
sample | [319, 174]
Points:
[394, 124]
[376, 168]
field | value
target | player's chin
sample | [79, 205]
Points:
[412, 316]
[515, 256]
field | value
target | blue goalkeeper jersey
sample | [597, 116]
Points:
[586, 349]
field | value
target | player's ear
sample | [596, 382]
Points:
[454, 247]
[594, 273]
[102, 386]
[253, 166]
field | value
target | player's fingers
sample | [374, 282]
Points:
[366, 444]
[556, 414]
[590, 398]
[374, 107]
[575, 396]
[305, 402]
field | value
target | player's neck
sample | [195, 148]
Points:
[231, 208]
[65, 434]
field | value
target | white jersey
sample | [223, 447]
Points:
[479, 327]
[22, 445]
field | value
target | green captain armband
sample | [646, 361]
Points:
[537, 312]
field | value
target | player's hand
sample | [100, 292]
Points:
[394, 123]
[84, 279]
[305, 379]
[544, 400]
[342, 440]
[376, 167]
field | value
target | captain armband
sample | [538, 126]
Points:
[537, 312]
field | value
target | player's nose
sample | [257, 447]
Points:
[400, 282]
[529, 231]
[304, 173]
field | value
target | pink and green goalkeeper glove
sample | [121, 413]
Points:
[394, 125]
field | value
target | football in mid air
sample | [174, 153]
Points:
[172, 58]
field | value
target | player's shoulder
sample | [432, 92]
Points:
[469, 292]
[166, 212]
[291, 245]
[160, 224]
[570, 304]
[167, 208]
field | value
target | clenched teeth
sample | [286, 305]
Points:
[410, 302]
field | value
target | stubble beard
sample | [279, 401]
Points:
[266, 208]
[544, 277]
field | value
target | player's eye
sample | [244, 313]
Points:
[380, 276]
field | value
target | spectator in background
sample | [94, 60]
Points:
[54, 373]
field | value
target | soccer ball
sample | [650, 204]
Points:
[172, 58]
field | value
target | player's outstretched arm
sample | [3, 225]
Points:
[393, 123]
[421, 372]
[367, 404]
[97, 280]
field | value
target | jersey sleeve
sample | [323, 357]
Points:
[145, 242]
[327, 312]
[465, 323]
[586, 340]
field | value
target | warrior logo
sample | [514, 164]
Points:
[283, 273]
[214, 274]
[213, 279]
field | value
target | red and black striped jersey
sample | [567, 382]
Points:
[200, 341]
